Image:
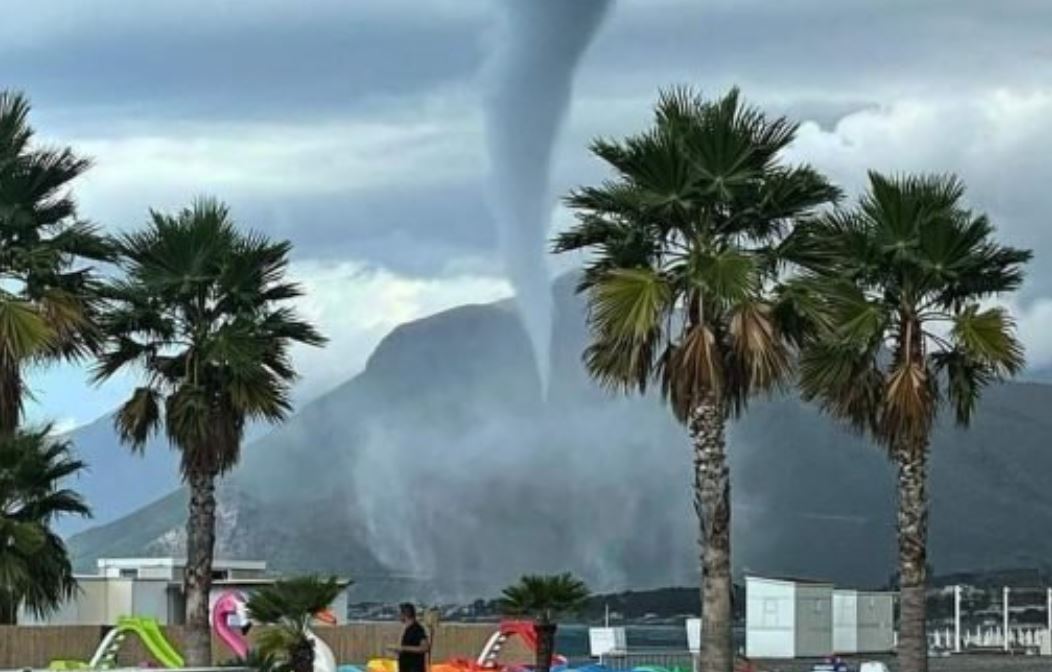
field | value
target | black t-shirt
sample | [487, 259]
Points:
[414, 635]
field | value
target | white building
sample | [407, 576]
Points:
[153, 587]
[788, 618]
[863, 621]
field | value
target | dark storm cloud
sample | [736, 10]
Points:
[114, 69]
[182, 63]
[816, 46]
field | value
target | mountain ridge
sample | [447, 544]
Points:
[442, 471]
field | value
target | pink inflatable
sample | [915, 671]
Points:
[231, 603]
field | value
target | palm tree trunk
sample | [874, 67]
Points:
[301, 658]
[913, 544]
[712, 502]
[8, 609]
[545, 645]
[10, 396]
[200, 545]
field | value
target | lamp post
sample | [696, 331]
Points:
[1005, 600]
[956, 619]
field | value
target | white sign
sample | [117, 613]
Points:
[694, 635]
[603, 641]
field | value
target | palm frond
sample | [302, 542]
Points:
[23, 330]
[700, 201]
[845, 380]
[987, 336]
[544, 597]
[139, 417]
[760, 353]
[627, 309]
[200, 311]
[692, 368]
[35, 570]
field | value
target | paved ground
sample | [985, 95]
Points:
[962, 663]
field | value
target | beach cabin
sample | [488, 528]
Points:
[863, 622]
[845, 621]
[876, 622]
[788, 617]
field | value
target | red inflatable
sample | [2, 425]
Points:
[487, 660]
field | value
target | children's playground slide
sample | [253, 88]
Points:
[105, 657]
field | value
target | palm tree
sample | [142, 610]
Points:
[200, 311]
[35, 570]
[291, 605]
[682, 245]
[544, 599]
[47, 303]
[897, 284]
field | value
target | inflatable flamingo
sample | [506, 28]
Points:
[232, 603]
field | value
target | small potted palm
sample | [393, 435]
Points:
[289, 606]
[544, 599]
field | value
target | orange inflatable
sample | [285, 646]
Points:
[487, 659]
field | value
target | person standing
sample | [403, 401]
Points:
[412, 652]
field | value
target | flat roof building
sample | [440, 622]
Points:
[153, 587]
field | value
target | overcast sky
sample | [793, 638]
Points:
[355, 129]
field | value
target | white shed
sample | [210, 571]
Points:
[845, 621]
[788, 618]
[863, 622]
[876, 622]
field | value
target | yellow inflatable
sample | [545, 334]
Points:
[382, 665]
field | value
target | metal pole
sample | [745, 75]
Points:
[1048, 614]
[957, 619]
[1006, 590]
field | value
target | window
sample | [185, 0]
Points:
[129, 573]
[770, 611]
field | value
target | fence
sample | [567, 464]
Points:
[36, 646]
[964, 618]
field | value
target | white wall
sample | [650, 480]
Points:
[97, 602]
[845, 621]
[770, 608]
[150, 599]
[876, 622]
[814, 620]
[166, 573]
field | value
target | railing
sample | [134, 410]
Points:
[668, 659]
[1022, 637]
[980, 618]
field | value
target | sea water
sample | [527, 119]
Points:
[572, 640]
